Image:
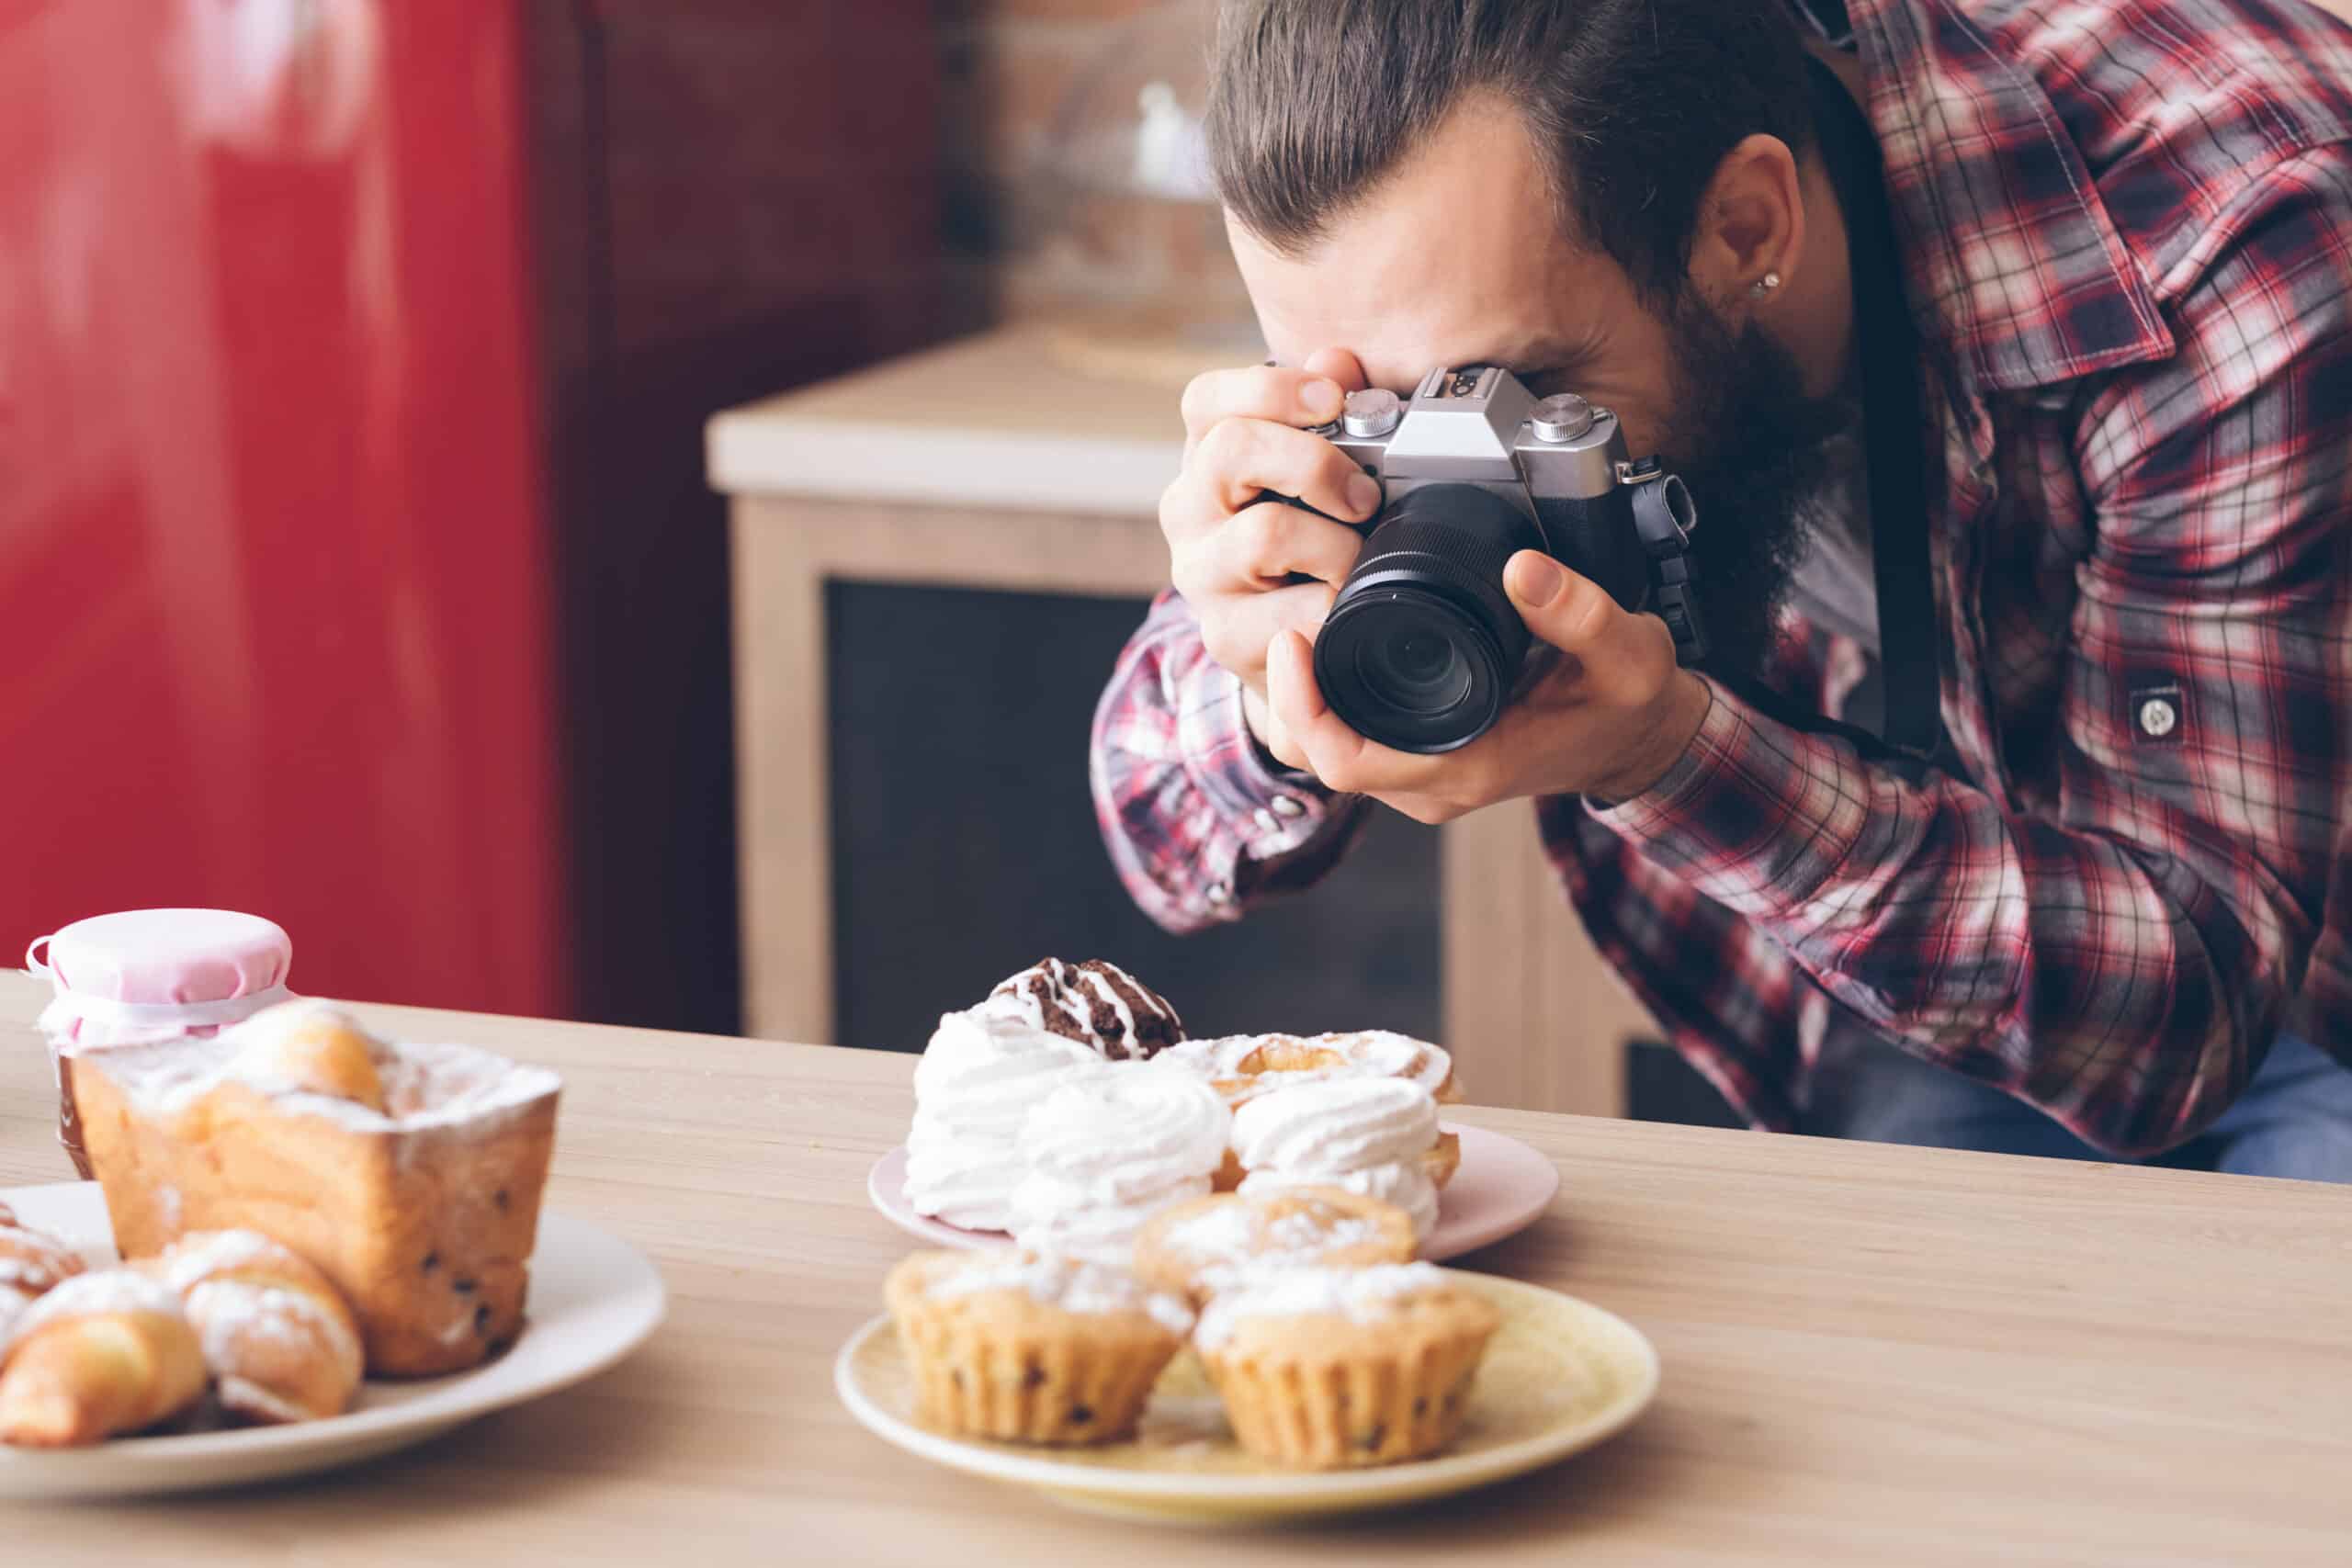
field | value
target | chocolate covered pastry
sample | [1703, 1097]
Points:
[1096, 1003]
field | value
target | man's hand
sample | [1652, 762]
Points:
[1608, 719]
[1231, 555]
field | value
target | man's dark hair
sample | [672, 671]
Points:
[1633, 103]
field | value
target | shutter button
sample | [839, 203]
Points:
[1371, 414]
[1563, 417]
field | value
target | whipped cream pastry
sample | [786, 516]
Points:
[1105, 1154]
[1368, 1135]
[985, 1069]
[1222, 1241]
[1244, 1067]
[1407, 1186]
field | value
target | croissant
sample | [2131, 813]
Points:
[101, 1354]
[30, 1262]
[30, 1265]
[280, 1341]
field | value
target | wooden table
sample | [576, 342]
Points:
[1872, 1355]
[992, 463]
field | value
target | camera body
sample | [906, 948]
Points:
[1422, 647]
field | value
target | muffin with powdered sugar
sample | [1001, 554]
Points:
[1027, 1348]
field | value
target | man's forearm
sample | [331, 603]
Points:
[2123, 991]
[1199, 820]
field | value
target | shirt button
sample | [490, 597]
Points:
[1220, 894]
[2158, 717]
[1267, 822]
[1289, 805]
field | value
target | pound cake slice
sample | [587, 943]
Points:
[411, 1175]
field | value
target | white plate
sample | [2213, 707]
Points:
[1501, 1188]
[593, 1299]
[1560, 1375]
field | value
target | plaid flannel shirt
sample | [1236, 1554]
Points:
[2128, 243]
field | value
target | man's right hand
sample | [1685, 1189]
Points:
[1232, 554]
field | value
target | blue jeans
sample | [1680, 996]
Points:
[2294, 1119]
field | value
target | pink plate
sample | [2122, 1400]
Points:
[1501, 1188]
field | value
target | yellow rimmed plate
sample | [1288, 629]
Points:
[1560, 1375]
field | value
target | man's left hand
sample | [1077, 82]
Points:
[1608, 719]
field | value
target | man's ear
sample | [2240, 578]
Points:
[1751, 230]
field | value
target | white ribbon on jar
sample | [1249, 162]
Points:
[159, 1017]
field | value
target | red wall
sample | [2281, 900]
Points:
[275, 603]
[356, 566]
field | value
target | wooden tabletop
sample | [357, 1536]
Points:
[1872, 1355]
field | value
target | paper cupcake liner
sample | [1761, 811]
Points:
[977, 1379]
[1304, 1409]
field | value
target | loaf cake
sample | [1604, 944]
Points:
[411, 1175]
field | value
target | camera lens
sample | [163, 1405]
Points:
[1421, 647]
[1415, 669]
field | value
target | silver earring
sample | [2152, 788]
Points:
[1766, 284]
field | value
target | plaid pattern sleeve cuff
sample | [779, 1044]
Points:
[1757, 816]
[1199, 821]
[1273, 809]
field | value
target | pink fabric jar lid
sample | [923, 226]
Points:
[167, 956]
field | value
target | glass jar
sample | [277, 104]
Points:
[145, 975]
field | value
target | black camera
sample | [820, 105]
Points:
[1422, 649]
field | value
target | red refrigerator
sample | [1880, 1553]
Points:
[355, 564]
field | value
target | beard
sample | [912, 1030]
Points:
[1751, 447]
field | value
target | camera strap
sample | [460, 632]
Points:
[1894, 436]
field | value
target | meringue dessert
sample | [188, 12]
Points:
[1353, 1111]
[1104, 1155]
[1373, 1138]
[1053, 1024]
[1244, 1067]
[977, 1082]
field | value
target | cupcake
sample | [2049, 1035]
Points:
[1199, 1248]
[1031, 1348]
[1323, 1368]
